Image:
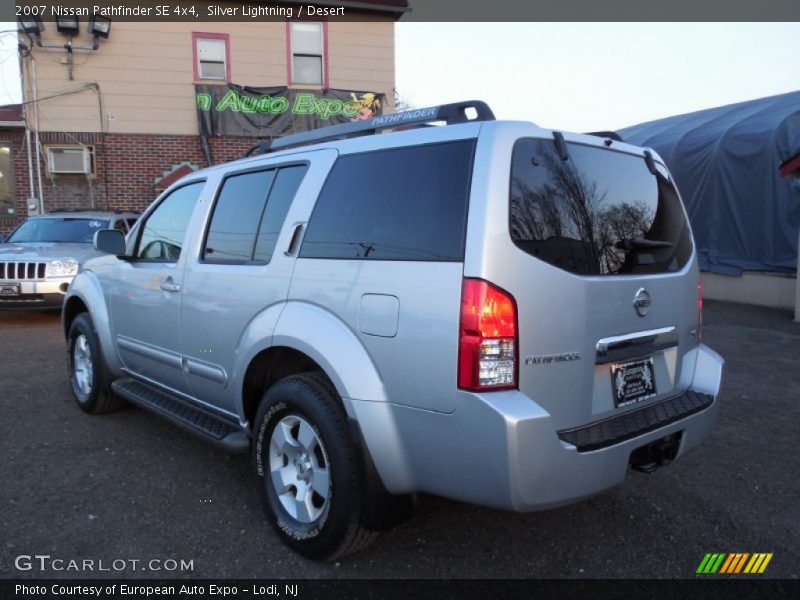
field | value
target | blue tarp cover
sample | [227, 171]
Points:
[725, 162]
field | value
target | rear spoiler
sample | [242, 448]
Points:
[612, 135]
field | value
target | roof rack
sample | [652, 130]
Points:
[451, 114]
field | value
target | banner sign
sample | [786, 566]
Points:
[275, 111]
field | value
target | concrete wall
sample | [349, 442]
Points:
[762, 289]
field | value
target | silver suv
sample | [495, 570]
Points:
[487, 311]
[39, 259]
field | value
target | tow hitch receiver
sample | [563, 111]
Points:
[647, 459]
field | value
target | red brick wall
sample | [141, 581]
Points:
[127, 169]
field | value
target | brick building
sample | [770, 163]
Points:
[120, 123]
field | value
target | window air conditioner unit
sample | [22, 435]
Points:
[69, 159]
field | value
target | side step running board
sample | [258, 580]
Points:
[189, 418]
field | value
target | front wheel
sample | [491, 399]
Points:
[309, 467]
[88, 373]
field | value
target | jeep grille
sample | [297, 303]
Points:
[22, 271]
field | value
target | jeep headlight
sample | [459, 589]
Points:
[62, 268]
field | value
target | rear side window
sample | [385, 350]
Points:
[401, 204]
[249, 215]
[599, 212]
[234, 224]
[280, 199]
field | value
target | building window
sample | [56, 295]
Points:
[70, 160]
[211, 56]
[6, 181]
[307, 43]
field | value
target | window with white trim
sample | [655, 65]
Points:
[212, 58]
[6, 180]
[307, 53]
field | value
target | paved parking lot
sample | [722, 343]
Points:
[130, 486]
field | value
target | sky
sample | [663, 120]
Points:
[574, 76]
[595, 76]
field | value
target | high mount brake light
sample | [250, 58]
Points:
[488, 344]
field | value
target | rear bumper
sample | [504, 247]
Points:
[635, 423]
[47, 294]
[502, 449]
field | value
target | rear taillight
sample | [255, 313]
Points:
[699, 308]
[487, 351]
[700, 297]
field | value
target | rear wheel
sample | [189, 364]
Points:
[309, 466]
[88, 373]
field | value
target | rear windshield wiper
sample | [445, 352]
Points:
[561, 145]
[641, 243]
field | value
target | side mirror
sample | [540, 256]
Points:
[110, 241]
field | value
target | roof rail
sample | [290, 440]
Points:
[451, 114]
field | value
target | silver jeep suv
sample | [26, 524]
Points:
[487, 311]
[39, 259]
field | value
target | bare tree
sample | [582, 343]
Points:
[401, 103]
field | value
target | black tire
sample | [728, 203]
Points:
[98, 398]
[338, 530]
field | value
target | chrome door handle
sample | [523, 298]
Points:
[170, 286]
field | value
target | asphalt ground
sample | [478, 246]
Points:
[131, 486]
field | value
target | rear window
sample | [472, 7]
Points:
[600, 212]
[401, 204]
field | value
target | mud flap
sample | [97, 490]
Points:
[381, 510]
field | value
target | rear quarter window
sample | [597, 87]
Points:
[406, 203]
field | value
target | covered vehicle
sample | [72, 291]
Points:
[726, 162]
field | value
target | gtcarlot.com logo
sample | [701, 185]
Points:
[45, 562]
[734, 563]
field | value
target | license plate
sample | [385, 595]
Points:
[9, 289]
[633, 382]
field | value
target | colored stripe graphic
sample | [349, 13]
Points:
[734, 563]
[740, 566]
[754, 563]
[727, 564]
[703, 563]
[765, 563]
[711, 563]
[742, 557]
[715, 567]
